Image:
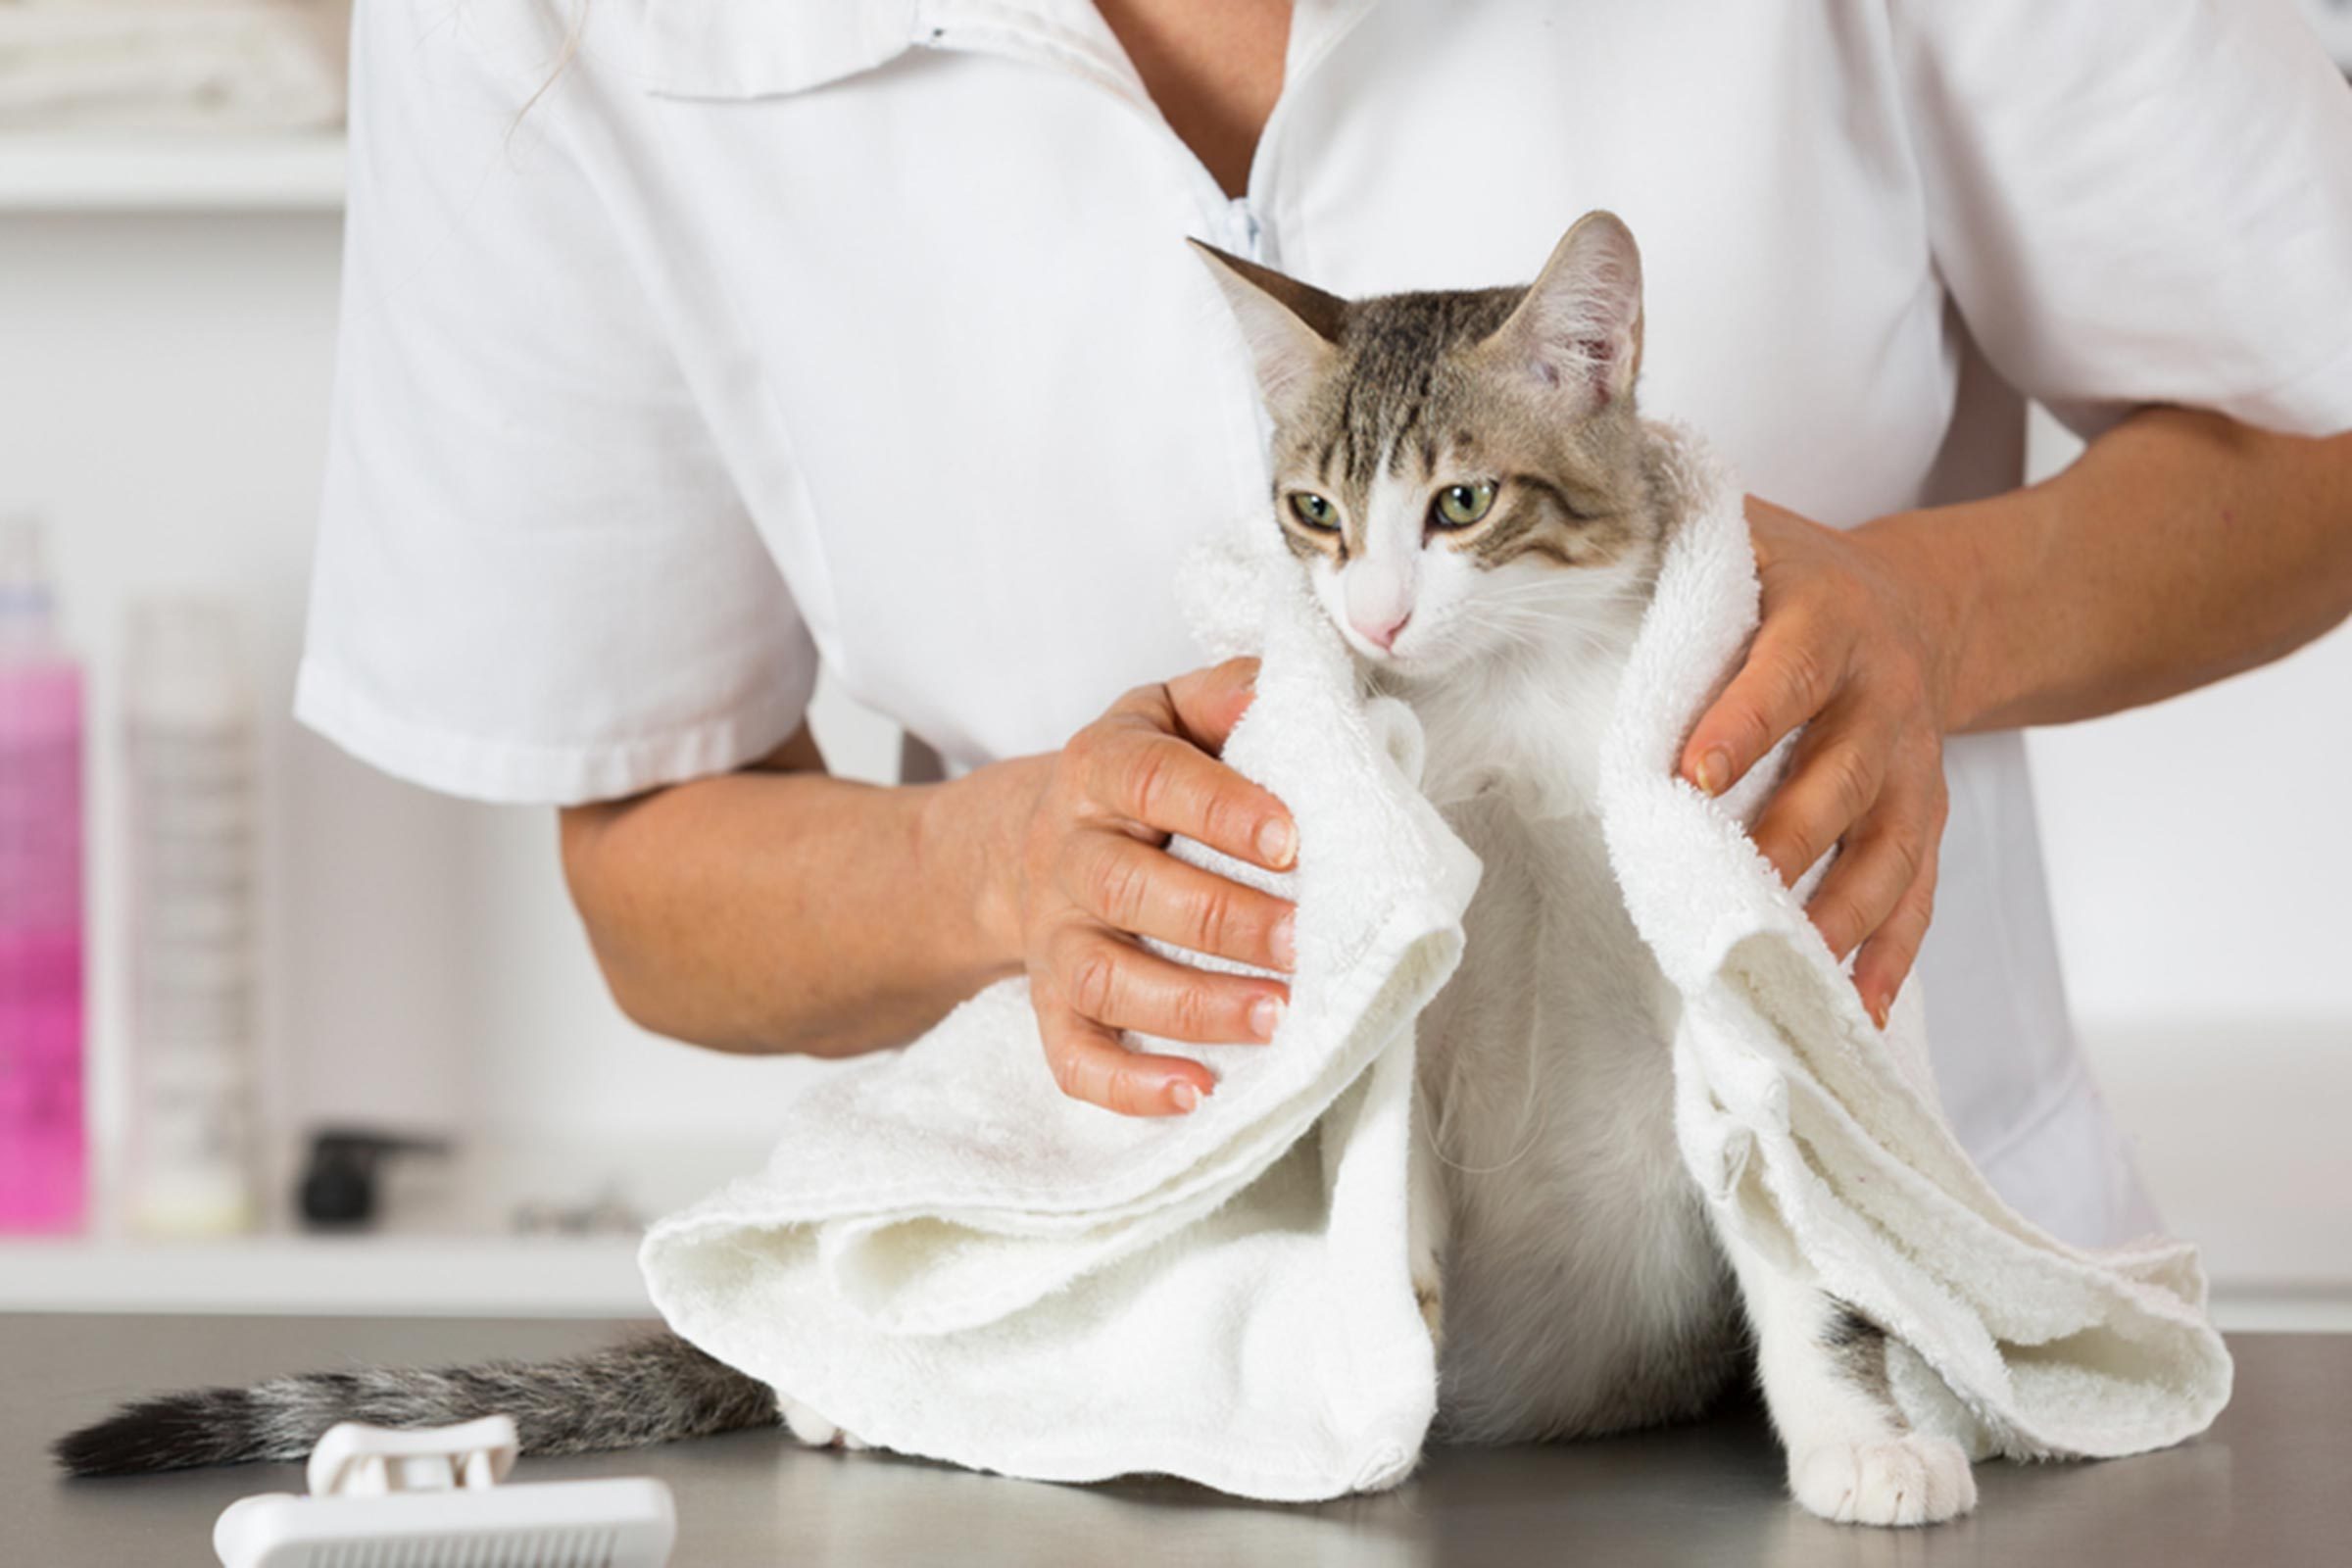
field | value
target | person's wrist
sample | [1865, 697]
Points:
[969, 833]
[1927, 557]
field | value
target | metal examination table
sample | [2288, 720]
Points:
[2270, 1484]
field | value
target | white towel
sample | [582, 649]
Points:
[949, 1259]
[1818, 1136]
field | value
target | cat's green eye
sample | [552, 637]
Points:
[1313, 511]
[1461, 505]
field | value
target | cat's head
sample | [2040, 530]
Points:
[1459, 471]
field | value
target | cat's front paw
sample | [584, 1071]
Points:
[814, 1429]
[1908, 1480]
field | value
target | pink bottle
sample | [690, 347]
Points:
[43, 1151]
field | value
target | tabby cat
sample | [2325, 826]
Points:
[1481, 509]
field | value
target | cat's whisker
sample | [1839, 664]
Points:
[1519, 624]
[1568, 585]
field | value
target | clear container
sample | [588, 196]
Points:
[189, 752]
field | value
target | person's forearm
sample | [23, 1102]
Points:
[2180, 548]
[790, 911]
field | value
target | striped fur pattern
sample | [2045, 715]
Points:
[1412, 401]
[655, 1389]
[1440, 458]
[1467, 482]
[1860, 1346]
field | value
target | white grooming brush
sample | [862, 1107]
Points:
[431, 1499]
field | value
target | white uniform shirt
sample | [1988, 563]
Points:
[865, 332]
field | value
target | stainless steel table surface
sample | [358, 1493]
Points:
[2270, 1484]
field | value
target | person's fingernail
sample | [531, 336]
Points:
[1265, 1016]
[1715, 770]
[1276, 841]
[1879, 1011]
[1285, 941]
[1184, 1095]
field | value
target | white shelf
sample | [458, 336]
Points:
[194, 174]
[534, 1276]
[445, 1244]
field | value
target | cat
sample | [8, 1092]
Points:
[1479, 507]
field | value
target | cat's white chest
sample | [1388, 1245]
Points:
[1532, 733]
[1513, 764]
[1576, 1248]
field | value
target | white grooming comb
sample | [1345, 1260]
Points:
[431, 1500]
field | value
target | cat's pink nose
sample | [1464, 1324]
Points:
[1383, 635]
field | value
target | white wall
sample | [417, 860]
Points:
[161, 398]
[2199, 855]
[2200, 849]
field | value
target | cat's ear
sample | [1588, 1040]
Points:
[1580, 326]
[1291, 327]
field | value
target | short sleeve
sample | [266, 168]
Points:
[2145, 203]
[535, 581]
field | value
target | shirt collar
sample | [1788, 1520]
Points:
[731, 49]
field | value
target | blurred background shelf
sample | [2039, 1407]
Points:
[188, 174]
[447, 1241]
[534, 1276]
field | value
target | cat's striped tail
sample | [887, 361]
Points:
[645, 1390]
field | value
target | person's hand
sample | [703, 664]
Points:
[1854, 643]
[1092, 876]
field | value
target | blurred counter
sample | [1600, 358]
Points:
[2266, 1486]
